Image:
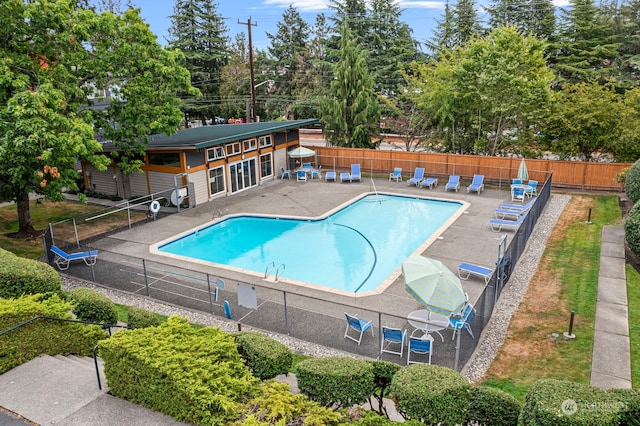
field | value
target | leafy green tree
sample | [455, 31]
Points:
[235, 86]
[199, 32]
[627, 147]
[351, 113]
[585, 121]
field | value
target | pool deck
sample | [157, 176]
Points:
[468, 239]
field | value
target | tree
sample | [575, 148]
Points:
[234, 79]
[351, 113]
[199, 32]
[534, 17]
[54, 58]
[629, 33]
[443, 38]
[466, 24]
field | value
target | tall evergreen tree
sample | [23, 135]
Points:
[443, 38]
[629, 33]
[535, 17]
[351, 113]
[353, 14]
[586, 46]
[466, 23]
[541, 20]
[199, 32]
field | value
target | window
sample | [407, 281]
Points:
[249, 145]
[216, 180]
[166, 159]
[215, 153]
[233, 148]
[266, 167]
[265, 141]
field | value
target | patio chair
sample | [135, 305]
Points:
[517, 193]
[533, 188]
[330, 176]
[355, 172]
[64, 259]
[429, 182]
[519, 207]
[454, 183]
[418, 175]
[498, 224]
[301, 175]
[393, 336]
[359, 325]
[510, 214]
[465, 270]
[464, 321]
[345, 177]
[420, 345]
[316, 173]
[477, 184]
[285, 173]
[396, 174]
[516, 181]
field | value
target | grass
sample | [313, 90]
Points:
[633, 300]
[566, 281]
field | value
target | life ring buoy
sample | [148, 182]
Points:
[154, 207]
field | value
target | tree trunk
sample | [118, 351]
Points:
[25, 229]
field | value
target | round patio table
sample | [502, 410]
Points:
[428, 322]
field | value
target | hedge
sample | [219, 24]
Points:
[265, 357]
[383, 372]
[20, 276]
[632, 229]
[492, 407]
[431, 394]
[42, 336]
[141, 318]
[91, 305]
[335, 381]
[632, 183]
[195, 375]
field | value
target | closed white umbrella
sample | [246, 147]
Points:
[523, 173]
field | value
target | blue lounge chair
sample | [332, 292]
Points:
[418, 175]
[454, 183]
[63, 259]
[345, 177]
[519, 207]
[285, 173]
[429, 182]
[227, 309]
[509, 214]
[465, 270]
[420, 345]
[477, 184]
[357, 324]
[393, 336]
[355, 172]
[396, 174]
[498, 224]
[330, 176]
[464, 321]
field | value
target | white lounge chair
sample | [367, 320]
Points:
[498, 224]
[63, 259]
[465, 270]
[429, 182]
[453, 184]
[477, 184]
[418, 175]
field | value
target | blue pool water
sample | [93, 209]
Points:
[354, 249]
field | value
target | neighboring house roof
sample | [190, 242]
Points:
[208, 136]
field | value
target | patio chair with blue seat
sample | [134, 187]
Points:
[517, 193]
[532, 189]
[420, 345]
[454, 183]
[393, 336]
[359, 325]
[63, 259]
[463, 322]
[516, 181]
[396, 174]
[301, 175]
[418, 175]
[285, 173]
[465, 270]
[227, 309]
[498, 224]
[477, 184]
[355, 172]
[330, 175]
[316, 173]
[345, 177]
[429, 182]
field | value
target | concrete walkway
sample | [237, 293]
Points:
[611, 360]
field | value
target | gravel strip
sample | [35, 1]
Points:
[491, 339]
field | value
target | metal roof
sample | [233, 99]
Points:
[207, 136]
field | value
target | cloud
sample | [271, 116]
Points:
[300, 5]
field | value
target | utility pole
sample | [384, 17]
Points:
[251, 116]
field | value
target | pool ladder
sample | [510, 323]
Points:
[270, 267]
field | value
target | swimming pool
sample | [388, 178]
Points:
[353, 249]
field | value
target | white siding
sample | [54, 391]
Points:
[162, 181]
[200, 182]
[138, 184]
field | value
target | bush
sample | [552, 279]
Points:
[140, 318]
[19, 276]
[90, 305]
[383, 372]
[335, 381]
[42, 336]
[492, 407]
[265, 357]
[632, 229]
[195, 375]
[632, 183]
[431, 394]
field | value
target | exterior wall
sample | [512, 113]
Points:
[200, 182]
[138, 184]
[160, 181]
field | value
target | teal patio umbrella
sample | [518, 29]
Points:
[433, 285]
[523, 173]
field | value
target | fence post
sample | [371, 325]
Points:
[129, 213]
[75, 231]
[209, 293]
[286, 316]
[146, 280]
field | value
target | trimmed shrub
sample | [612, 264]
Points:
[265, 357]
[557, 402]
[431, 394]
[383, 372]
[42, 336]
[91, 305]
[630, 405]
[632, 229]
[141, 318]
[632, 183]
[492, 407]
[195, 375]
[335, 381]
[19, 276]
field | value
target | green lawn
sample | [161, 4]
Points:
[633, 299]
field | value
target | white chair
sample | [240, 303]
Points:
[285, 173]
[421, 346]
[393, 336]
[316, 173]
[301, 175]
[357, 324]
[396, 174]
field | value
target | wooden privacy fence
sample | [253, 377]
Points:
[498, 170]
